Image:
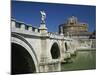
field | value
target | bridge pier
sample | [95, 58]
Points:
[47, 64]
[62, 51]
[52, 66]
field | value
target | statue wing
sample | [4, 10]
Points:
[41, 12]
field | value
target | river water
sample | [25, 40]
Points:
[84, 59]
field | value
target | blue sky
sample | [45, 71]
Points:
[29, 12]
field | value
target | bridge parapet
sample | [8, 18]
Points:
[22, 26]
[55, 35]
[68, 39]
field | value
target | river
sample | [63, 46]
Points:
[84, 59]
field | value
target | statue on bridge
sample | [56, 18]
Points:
[43, 16]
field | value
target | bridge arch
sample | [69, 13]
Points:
[66, 46]
[55, 51]
[20, 43]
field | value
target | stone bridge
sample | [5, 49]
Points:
[36, 49]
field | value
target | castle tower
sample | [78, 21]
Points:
[74, 28]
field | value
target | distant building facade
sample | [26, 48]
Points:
[73, 28]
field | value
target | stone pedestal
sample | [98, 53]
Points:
[43, 28]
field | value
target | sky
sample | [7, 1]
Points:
[56, 14]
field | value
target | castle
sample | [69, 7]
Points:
[75, 29]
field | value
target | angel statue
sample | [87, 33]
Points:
[43, 16]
